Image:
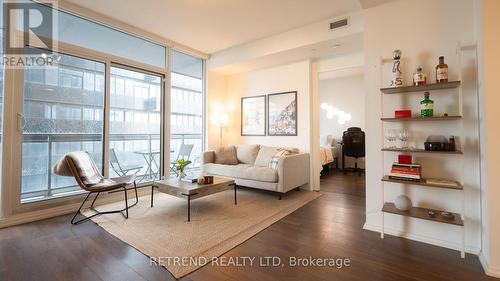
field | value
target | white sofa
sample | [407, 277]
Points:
[253, 169]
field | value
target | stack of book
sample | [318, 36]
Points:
[406, 172]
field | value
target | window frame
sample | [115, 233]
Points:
[14, 94]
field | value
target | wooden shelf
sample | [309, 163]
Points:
[421, 213]
[422, 183]
[421, 88]
[434, 118]
[420, 151]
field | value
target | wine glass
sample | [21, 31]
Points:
[390, 136]
[403, 137]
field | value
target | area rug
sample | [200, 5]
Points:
[217, 225]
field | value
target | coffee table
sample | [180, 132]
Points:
[190, 191]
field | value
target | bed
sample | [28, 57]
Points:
[329, 155]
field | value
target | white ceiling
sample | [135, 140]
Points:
[214, 25]
[330, 48]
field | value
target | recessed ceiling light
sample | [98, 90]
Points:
[335, 46]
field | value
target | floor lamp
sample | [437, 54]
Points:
[221, 119]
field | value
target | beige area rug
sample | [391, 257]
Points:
[217, 225]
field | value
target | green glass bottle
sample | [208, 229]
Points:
[426, 106]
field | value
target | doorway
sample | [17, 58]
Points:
[341, 117]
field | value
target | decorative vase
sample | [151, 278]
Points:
[403, 203]
[182, 174]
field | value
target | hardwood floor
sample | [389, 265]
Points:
[330, 226]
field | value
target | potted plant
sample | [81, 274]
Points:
[180, 165]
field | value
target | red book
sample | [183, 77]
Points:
[411, 173]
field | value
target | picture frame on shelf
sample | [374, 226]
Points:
[282, 114]
[253, 116]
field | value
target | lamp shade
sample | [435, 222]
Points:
[220, 118]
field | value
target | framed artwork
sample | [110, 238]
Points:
[282, 110]
[253, 116]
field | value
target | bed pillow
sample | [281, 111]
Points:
[226, 155]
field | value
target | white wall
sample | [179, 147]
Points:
[291, 77]
[487, 12]
[347, 94]
[423, 30]
[216, 104]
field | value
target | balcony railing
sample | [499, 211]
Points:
[38, 179]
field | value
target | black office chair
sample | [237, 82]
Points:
[353, 145]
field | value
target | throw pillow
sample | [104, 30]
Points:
[264, 155]
[273, 163]
[226, 155]
[291, 150]
[247, 153]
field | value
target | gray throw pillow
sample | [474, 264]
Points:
[226, 155]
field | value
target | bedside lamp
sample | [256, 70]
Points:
[220, 119]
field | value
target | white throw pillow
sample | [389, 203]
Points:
[247, 153]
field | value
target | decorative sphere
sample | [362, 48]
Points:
[402, 203]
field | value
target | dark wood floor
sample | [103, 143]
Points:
[330, 226]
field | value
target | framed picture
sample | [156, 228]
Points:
[282, 110]
[253, 116]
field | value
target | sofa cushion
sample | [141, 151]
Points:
[247, 153]
[264, 156]
[226, 155]
[242, 171]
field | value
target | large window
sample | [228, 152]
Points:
[111, 106]
[63, 112]
[135, 124]
[187, 99]
[78, 31]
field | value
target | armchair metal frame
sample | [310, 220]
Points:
[67, 167]
[98, 213]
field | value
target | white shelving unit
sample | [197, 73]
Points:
[416, 212]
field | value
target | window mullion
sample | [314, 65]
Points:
[107, 107]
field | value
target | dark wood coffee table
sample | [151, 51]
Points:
[191, 191]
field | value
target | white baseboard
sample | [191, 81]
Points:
[38, 215]
[422, 238]
[60, 210]
[491, 271]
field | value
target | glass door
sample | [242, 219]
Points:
[62, 111]
[135, 124]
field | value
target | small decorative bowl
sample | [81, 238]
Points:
[447, 215]
[431, 213]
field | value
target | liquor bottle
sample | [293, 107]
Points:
[441, 71]
[419, 78]
[451, 144]
[426, 106]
